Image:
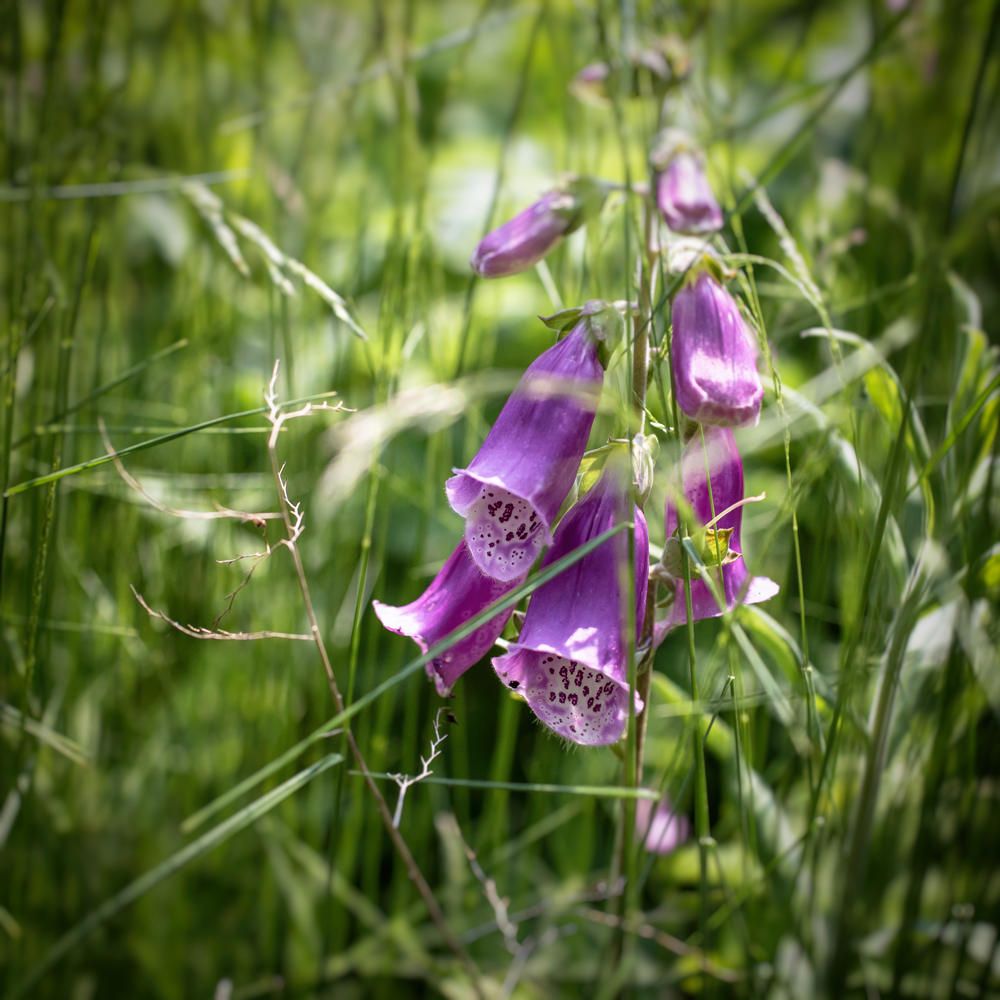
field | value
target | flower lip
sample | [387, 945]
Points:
[459, 592]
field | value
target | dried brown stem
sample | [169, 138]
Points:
[196, 515]
[665, 940]
[277, 418]
[203, 633]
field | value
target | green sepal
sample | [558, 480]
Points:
[562, 322]
[586, 199]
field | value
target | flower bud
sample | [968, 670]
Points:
[523, 241]
[662, 831]
[683, 193]
[714, 356]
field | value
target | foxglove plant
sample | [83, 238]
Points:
[523, 241]
[683, 193]
[664, 830]
[716, 460]
[511, 491]
[459, 592]
[714, 357]
[570, 662]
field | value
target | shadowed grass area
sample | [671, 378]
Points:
[192, 190]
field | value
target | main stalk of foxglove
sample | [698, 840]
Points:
[718, 460]
[512, 490]
[570, 662]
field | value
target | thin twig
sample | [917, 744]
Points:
[196, 515]
[665, 940]
[404, 781]
[203, 633]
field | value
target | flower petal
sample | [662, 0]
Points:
[573, 700]
[685, 197]
[530, 456]
[570, 661]
[459, 592]
[715, 359]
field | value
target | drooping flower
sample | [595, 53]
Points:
[512, 490]
[570, 662]
[714, 356]
[523, 241]
[683, 193]
[459, 592]
[664, 830]
[590, 85]
[720, 455]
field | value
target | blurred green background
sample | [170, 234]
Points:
[375, 142]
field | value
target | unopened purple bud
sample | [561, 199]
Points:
[590, 85]
[512, 490]
[570, 662]
[721, 457]
[459, 592]
[685, 197]
[663, 831]
[714, 356]
[523, 241]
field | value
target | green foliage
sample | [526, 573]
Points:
[191, 190]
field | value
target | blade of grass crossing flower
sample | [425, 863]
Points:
[509, 600]
[135, 890]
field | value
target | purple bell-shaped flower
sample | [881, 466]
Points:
[725, 467]
[512, 490]
[570, 662]
[664, 830]
[714, 356]
[459, 592]
[523, 241]
[683, 193]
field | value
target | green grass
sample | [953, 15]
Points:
[191, 190]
